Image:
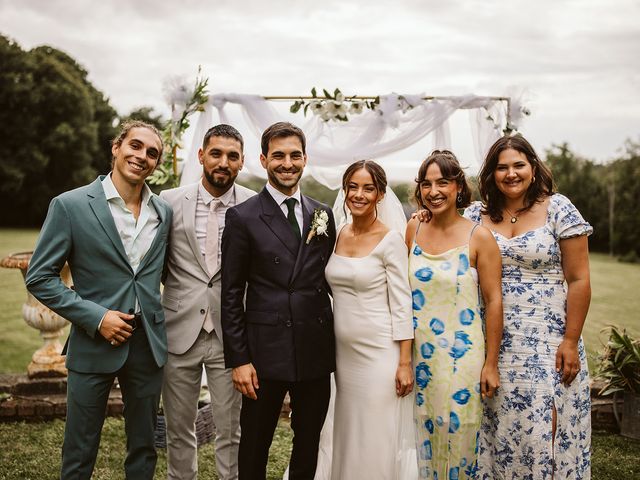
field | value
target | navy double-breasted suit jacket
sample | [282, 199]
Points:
[284, 325]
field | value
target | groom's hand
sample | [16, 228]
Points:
[245, 380]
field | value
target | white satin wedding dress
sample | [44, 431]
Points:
[369, 430]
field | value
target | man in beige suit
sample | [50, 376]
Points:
[191, 301]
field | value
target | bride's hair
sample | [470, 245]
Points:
[377, 174]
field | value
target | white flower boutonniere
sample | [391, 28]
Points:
[319, 224]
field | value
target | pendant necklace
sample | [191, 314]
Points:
[514, 218]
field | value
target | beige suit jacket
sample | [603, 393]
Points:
[190, 291]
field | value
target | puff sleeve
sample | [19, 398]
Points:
[567, 221]
[472, 212]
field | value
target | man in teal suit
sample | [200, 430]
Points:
[113, 234]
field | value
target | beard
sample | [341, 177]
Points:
[224, 183]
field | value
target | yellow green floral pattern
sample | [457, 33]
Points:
[448, 357]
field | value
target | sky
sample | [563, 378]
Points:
[576, 62]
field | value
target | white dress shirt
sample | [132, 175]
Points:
[280, 197]
[136, 236]
[226, 201]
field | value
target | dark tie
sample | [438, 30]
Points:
[291, 216]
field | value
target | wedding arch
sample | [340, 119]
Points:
[341, 129]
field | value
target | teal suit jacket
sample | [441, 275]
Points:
[79, 229]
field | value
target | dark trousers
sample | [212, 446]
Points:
[87, 394]
[259, 418]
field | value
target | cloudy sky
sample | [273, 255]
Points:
[577, 60]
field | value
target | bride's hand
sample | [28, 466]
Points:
[404, 380]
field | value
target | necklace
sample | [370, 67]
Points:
[514, 218]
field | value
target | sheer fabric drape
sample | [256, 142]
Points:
[399, 122]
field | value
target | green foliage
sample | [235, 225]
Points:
[166, 175]
[604, 194]
[56, 130]
[620, 363]
[315, 189]
[629, 257]
[336, 106]
[623, 179]
[404, 192]
[163, 178]
[145, 114]
[308, 185]
[581, 181]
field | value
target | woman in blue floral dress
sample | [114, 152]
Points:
[538, 425]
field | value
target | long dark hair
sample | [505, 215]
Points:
[451, 170]
[492, 198]
[377, 173]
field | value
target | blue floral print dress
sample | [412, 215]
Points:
[448, 357]
[516, 434]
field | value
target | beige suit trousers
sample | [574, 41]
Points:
[180, 392]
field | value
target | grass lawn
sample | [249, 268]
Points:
[18, 341]
[614, 300]
[32, 451]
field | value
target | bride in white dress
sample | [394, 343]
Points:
[369, 429]
[368, 274]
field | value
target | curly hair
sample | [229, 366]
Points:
[451, 170]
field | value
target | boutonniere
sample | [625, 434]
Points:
[319, 224]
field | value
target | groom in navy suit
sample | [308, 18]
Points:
[275, 247]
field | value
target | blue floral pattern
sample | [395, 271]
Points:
[516, 435]
[448, 358]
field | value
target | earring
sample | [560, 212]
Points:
[459, 198]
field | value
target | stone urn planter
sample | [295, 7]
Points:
[46, 361]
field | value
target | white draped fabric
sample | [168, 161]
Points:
[399, 122]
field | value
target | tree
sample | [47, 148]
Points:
[56, 132]
[624, 179]
[145, 114]
[584, 183]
